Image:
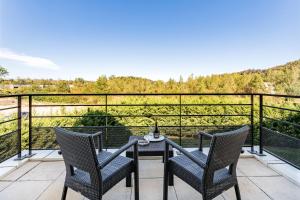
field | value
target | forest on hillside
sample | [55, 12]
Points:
[283, 79]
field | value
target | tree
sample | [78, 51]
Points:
[102, 84]
[63, 86]
[256, 84]
[79, 81]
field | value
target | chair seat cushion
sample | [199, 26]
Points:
[111, 174]
[115, 171]
[103, 156]
[191, 173]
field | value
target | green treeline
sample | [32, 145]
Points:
[284, 79]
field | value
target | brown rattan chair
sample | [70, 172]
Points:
[208, 174]
[90, 173]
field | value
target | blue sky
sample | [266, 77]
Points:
[156, 39]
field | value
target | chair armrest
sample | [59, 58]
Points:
[201, 134]
[205, 134]
[118, 152]
[100, 143]
[200, 163]
[98, 134]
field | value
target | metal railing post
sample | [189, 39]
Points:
[30, 125]
[180, 141]
[201, 141]
[106, 122]
[19, 144]
[261, 124]
[19, 131]
[252, 125]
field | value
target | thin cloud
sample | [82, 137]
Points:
[32, 61]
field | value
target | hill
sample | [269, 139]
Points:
[284, 79]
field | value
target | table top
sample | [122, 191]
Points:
[155, 147]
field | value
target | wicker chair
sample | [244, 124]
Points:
[212, 174]
[90, 173]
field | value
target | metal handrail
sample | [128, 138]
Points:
[181, 115]
[180, 105]
[149, 94]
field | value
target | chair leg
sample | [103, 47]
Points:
[136, 172]
[64, 194]
[237, 192]
[136, 185]
[171, 179]
[166, 183]
[128, 181]
[204, 197]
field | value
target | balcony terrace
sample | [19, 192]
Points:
[42, 177]
[31, 167]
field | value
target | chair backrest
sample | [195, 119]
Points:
[224, 151]
[78, 151]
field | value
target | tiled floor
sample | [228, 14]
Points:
[44, 180]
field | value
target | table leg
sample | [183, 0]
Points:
[171, 175]
[129, 177]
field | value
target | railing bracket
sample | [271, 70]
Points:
[260, 154]
[252, 151]
[24, 156]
